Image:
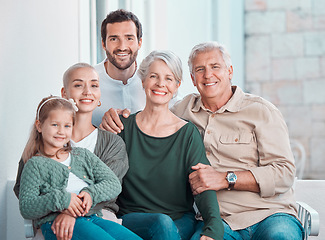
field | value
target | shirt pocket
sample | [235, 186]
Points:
[239, 146]
[236, 138]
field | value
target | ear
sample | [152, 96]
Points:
[193, 80]
[230, 72]
[103, 45]
[38, 126]
[179, 84]
[64, 93]
[139, 43]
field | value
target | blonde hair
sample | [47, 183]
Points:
[70, 70]
[35, 145]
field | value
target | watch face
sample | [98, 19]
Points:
[231, 177]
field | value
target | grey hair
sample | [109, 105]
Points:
[207, 47]
[173, 62]
[70, 70]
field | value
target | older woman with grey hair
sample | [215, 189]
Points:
[156, 201]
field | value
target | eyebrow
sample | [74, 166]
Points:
[81, 80]
[125, 35]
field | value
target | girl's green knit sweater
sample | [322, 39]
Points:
[42, 192]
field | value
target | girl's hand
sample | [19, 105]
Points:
[63, 226]
[87, 202]
[75, 207]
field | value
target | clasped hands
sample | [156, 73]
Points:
[79, 204]
[63, 224]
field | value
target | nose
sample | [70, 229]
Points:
[207, 73]
[60, 129]
[122, 46]
[86, 90]
[160, 82]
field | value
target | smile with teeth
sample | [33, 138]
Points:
[159, 93]
[122, 54]
[86, 100]
[210, 84]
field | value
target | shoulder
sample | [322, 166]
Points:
[188, 102]
[106, 138]
[259, 103]
[100, 67]
[189, 130]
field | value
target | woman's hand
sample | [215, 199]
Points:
[87, 202]
[206, 238]
[63, 226]
[75, 207]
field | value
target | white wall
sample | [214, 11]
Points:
[38, 41]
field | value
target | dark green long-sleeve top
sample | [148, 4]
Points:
[157, 179]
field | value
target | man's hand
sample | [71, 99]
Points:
[87, 202]
[205, 178]
[75, 207]
[111, 121]
[63, 226]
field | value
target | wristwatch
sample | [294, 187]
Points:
[231, 178]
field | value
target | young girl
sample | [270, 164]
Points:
[60, 179]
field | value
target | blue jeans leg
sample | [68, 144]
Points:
[160, 226]
[93, 228]
[279, 226]
[198, 230]
[186, 225]
[149, 226]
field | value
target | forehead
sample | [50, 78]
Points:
[208, 57]
[85, 73]
[159, 65]
[60, 114]
[121, 28]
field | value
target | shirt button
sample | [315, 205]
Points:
[209, 131]
[208, 153]
[212, 116]
[236, 139]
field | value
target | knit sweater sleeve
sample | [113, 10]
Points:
[110, 148]
[106, 185]
[34, 205]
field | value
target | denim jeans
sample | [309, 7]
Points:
[160, 226]
[279, 226]
[93, 228]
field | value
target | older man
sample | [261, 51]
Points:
[247, 143]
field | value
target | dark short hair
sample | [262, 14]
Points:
[121, 15]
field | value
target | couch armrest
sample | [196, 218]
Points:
[309, 219]
[29, 228]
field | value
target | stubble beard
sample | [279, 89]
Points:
[112, 59]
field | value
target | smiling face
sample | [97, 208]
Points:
[160, 84]
[212, 77]
[121, 44]
[83, 88]
[56, 130]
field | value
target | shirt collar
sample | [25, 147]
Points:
[233, 105]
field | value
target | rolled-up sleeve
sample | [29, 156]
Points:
[276, 170]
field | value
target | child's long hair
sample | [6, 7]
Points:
[35, 145]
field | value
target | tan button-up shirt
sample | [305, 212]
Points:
[247, 133]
